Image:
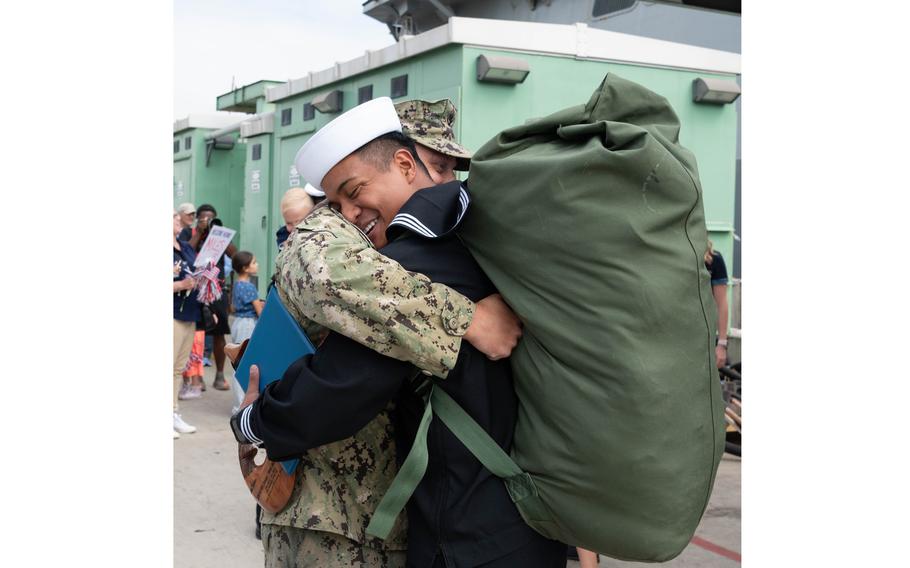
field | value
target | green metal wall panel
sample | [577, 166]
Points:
[183, 180]
[557, 82]
[286, 175]
[254, 214]
[219, 183]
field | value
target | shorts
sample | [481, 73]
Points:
[242, 329]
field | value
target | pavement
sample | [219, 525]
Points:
[214, 513]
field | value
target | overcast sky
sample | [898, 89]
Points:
[217, 40]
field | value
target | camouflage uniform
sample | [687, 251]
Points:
[328, 272]
[299, 548]
[430, 124]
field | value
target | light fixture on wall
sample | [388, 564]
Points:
[328, 102]
[715, 91]
[501, 69]
[217, 143]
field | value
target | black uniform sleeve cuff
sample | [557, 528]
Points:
[241, 425]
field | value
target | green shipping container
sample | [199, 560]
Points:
[208, 171]
[255, 213]
[564, 63]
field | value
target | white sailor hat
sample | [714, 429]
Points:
[337, 139]
[312, 191]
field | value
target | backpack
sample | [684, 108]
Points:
[590, 223]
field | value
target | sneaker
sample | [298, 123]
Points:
[188, 393]
[185, 388]
[206, 362]
[191, 393]
[181, 426]
[176, 434]
[220, 383]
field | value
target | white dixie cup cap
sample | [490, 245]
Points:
[337, 139]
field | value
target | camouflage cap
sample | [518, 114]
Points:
[430, 124]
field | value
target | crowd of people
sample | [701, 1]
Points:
[235, 313]
[386, 236]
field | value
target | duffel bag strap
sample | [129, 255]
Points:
[475, 438]
[477, 441]
[404, 484]
[518, 483]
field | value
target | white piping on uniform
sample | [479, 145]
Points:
[245, 426]
[463, 201]
[413, 223]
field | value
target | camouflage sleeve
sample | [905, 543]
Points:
[329, 272]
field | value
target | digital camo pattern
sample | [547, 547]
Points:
[329, 272]
[338, 486]
[430, 124]
[289, 547]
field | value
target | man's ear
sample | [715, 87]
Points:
[406, 164]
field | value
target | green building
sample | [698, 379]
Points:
[260, 203]
[499, 73]
[564, 64]
[216, 161]
[254, 192]
[209, 164]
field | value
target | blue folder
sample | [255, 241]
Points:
[277, 341]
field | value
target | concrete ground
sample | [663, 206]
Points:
[213, 512]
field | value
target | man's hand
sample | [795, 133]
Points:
[247, 450]
[252, 389]
[495, 329]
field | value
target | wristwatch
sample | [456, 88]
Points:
[722, 343]
[235, 428]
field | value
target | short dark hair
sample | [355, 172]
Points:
[379, 151]
[206, 207]
[241, 260]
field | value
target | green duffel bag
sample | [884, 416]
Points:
[590, 223]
